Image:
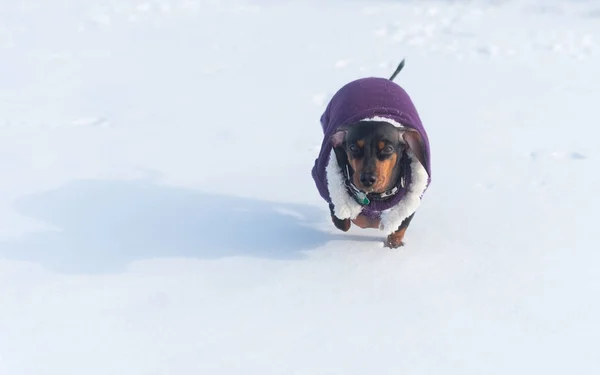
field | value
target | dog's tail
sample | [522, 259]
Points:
[398, 69]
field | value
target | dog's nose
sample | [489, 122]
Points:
[367, 179]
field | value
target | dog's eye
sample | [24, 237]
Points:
[388, 149]
[354, 148]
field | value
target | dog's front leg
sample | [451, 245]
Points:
[343, 225]
[394, 240]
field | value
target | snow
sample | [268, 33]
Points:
[157, 214]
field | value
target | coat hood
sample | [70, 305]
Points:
[374, 99]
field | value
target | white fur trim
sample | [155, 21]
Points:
[345, 207]
[393, 217]
[385, 119]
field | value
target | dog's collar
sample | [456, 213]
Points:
[365, 198]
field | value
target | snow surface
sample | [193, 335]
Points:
[157, 214]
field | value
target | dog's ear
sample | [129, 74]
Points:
[341, 156]
[338, 138]
[413, 140]
[337, 141]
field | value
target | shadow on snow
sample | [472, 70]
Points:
[104, 225]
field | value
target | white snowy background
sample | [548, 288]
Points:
[157, 214]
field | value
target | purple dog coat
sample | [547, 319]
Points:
[373, 99]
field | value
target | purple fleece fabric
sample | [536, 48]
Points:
[361, 99]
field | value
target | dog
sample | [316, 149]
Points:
[374, 165]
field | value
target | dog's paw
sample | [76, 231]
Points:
[393, 242]
[343, 225]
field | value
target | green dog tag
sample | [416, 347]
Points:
[361, 198]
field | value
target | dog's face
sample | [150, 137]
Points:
[373, 151]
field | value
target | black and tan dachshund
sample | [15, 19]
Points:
[373, 150]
